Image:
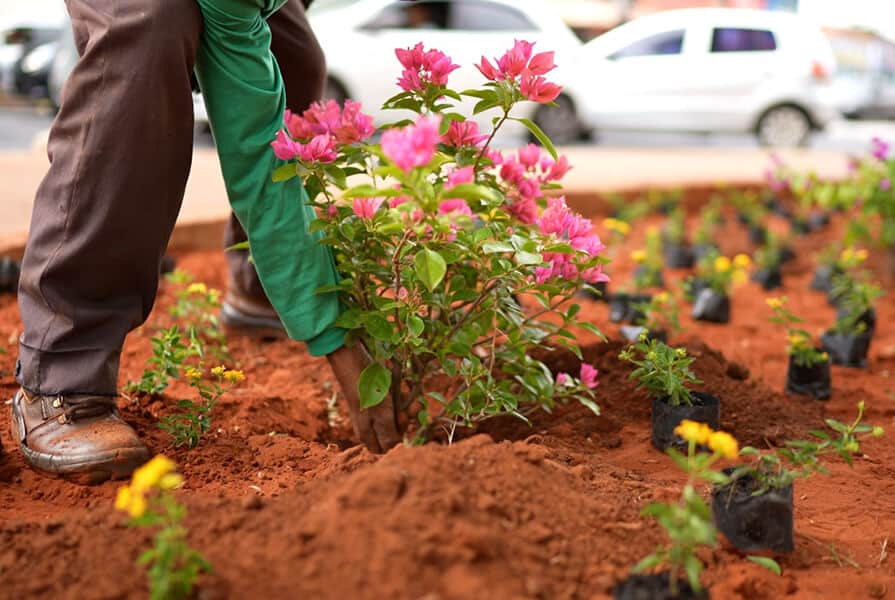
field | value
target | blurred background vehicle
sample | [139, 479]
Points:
[465, 30]
[864, 85]
[27, 46]
[713, 70]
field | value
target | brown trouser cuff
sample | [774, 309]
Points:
[82, 372]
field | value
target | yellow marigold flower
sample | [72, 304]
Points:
[693, 431]
[234, 376]
[739, 277]
[149, 475]
[219, 371]
[197, 288]
[724, 444]
[722, 264]
[742, 261]
[214, 294]
[137, 507]
[798, 341]
[617, 225]
[130, 501]
[193, 373]
[663, 297]
[170, 481]
[638, 256]
[774, 303]
[123, 498]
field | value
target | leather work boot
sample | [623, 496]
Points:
[81, 438]
[250, 316]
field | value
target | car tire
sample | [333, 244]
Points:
[784, 126]
[559, 122]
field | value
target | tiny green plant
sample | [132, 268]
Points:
[709, 220]
[720, 273]
[659, 314]
[688, 521]
[193, 422]
[800, 346]
[173, 567]
[799, 459]
[675, 230]
[855, 295]
[662, 370]
[649, 261]
[197, 307]
[169, 354]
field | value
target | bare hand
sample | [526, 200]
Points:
[376, 427]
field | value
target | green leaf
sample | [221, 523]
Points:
[590, 404]
[373, 385]
[284, 173]
[653, 560]
[379, 327]
[529, 258]
[472, 191]
[430, 268]
[486, 104]
[496, 247]
[538, 133]
[481, 94]
[415, 325]
[240, 246]
[768, 563]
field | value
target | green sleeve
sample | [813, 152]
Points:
[245, 99]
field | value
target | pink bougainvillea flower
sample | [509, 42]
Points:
[538, 89]
[354, 126]
[880, 149]
[284, 147]
[529, 155]
[332, 210]
[562, 379]
[365, 208]
[526, 210]
[423, 68]
[885, 185]
[589, 376]
[515, 60]
[412, 146]
[595, 275]
[488, 70]
[541, 63]
[464, 133]
[558, 169]
[321, 148]
[462, 175]
[456, 206]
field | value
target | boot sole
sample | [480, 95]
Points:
[252, 327]
[118, 464]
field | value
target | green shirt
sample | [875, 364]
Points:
[245, 100]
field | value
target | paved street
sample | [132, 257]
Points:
[20, 127]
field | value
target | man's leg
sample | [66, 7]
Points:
[120, 152]
[246, 308]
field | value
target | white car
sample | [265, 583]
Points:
[713, 70]
[359, 40]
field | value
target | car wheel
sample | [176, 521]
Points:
[559, 122]
[783, 126]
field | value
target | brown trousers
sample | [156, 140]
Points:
[120, 153]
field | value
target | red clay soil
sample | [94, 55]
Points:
[284, 505]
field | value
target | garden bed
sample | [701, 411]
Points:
[283, 504]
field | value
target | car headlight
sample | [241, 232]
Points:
[39, 58]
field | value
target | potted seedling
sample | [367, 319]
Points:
[752, 214]
[768, 259]
[687, 522]
[754, 510]
[659, 319]
[847, 261]
[828, 266]
[665, 373]
[808, 373]
[647, 274]
[849, 340]
[616, 232]
[675, 249]
[704, 237]
[712, 303]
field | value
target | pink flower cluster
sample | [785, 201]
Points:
[414, 145]
[526, 172]
[518, 65]
[559, 221]
[588, 377]
[315, 134]
[879, 148]
[365, 208]
[465, 133]
[423, 68]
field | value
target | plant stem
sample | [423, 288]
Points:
[478, 159]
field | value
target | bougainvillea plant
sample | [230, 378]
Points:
[437, 236]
